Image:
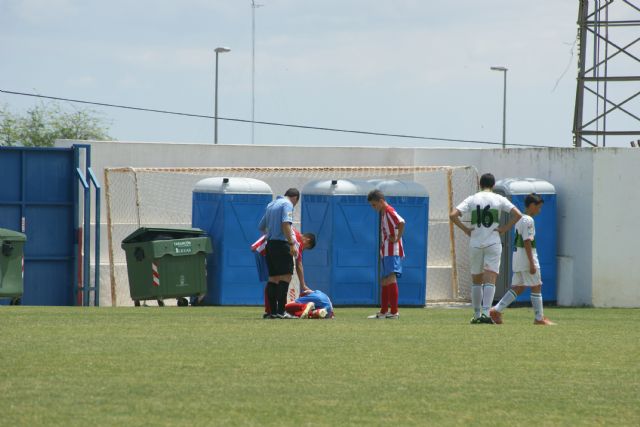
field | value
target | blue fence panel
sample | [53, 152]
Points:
[37, 198]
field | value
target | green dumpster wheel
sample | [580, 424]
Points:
[16, 301]
[136, 302]
[160, 303]
[183, 302]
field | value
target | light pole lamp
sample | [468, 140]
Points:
[215, 126]
[504, 105]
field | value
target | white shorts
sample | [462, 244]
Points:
[524, 278]
[485, 259]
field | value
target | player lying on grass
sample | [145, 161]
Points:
[311, 305]
[526, 267]
[306, 241]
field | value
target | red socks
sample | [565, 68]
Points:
[389, 297]
[384, 303]
[393, 297]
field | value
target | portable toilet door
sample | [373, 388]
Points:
[411, 201]
[516, 189]
[344, 262]
[229, 210]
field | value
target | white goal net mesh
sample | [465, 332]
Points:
[162, 197]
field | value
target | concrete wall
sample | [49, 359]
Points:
[570, 171]
[615, 228]
[598, 196]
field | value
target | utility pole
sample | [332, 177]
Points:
[254, 6]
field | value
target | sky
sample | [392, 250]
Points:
[410, 67]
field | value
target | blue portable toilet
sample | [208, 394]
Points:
[411, 201]
[229, 210]
[516, 189]
[344, 262]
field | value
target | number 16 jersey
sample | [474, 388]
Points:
[484, 207]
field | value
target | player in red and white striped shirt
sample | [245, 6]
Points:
[391, 251]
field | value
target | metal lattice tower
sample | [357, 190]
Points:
[607, 105]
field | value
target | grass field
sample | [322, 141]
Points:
[227, 366]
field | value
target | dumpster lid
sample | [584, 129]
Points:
[6, 234]
[395, 187]
[338, 187]
[511, 186]
[232, 185]
[147, 234]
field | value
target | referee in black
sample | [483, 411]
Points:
[281, 251]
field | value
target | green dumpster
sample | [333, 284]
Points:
[11, 261]
[167, 263]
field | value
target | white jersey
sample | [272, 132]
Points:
[485, 208]
[525, 230]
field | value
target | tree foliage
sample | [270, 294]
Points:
[42, 124]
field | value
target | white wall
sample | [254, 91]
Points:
[570, 171]
[598, 197]
[616, 228]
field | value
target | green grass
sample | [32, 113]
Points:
[226, 366]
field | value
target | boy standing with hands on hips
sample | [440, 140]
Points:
[485, 246]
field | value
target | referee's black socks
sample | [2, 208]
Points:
[272, 297]
[283, 289]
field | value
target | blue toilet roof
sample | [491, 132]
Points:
[232, 185]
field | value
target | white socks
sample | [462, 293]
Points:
[476, 299]
[536, 303]
[506, 300]
[510, 296]
[482, 298]
[488, 291]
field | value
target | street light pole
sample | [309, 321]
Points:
[504, 105]
[254, 6]
[215, 126]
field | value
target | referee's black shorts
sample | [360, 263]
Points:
[279, 259]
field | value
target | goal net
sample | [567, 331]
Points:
[162, 197]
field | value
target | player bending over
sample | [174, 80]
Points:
[485, 247]
[526, 268]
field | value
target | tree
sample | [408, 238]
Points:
[41, 125]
